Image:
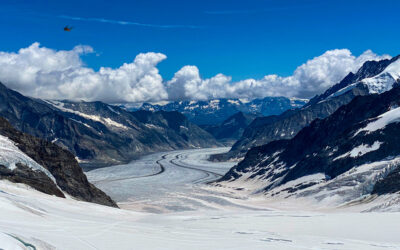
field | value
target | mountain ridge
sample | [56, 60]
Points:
[65, 175]
[215, 111]
[356, 146]
[285, 126]
[97, 133]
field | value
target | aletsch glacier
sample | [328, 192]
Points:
[180, 213]
[317, 181]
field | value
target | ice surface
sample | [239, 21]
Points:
[48, 222]
[221, 218]
[164, 182]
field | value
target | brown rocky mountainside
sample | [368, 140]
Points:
[59, 162]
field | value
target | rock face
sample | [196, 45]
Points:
[266, 129]
[36, 179]
[285, 126]
[389, 184]
[232, 128]
[353, 152]
[215, 112]
[100, 134]
[59, 162]
[176, 129]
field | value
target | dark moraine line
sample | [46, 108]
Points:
[209, 173]
[162, 169]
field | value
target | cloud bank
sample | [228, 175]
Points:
[46, 73]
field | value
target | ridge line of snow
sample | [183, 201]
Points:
[106, 121]
[360, 150]
[391, 116]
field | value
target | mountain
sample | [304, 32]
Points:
[372, 77]
[378, 76]
[232, 128]
[44, 166]
[214, 112]
[352, 153]
[101, 134]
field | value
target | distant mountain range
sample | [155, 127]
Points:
[216, 111]
[100, 134]
[372, 77]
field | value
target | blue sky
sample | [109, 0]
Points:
[241, 39]
[238, 38]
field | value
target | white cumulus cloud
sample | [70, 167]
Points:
[45, 73]
[309, 79]
[61, 74]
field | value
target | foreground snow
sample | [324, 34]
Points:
[30, 218]
[187, 214]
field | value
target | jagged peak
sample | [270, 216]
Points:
[367, 70]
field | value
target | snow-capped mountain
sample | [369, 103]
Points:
[350, 155]
[213, 112]
[382, 82]
[98, 133]
[377, 76]
[44, 166]
[372, 77]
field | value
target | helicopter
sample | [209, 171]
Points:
[67, 28]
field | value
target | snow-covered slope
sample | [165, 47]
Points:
[380, 122]
[376, 76]
[10, 156]
[377, 84]
[342, 158]
[385, 80]
[218, 219]
[17, 167]
[372, 77]
[33, 220]
[44, 166]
